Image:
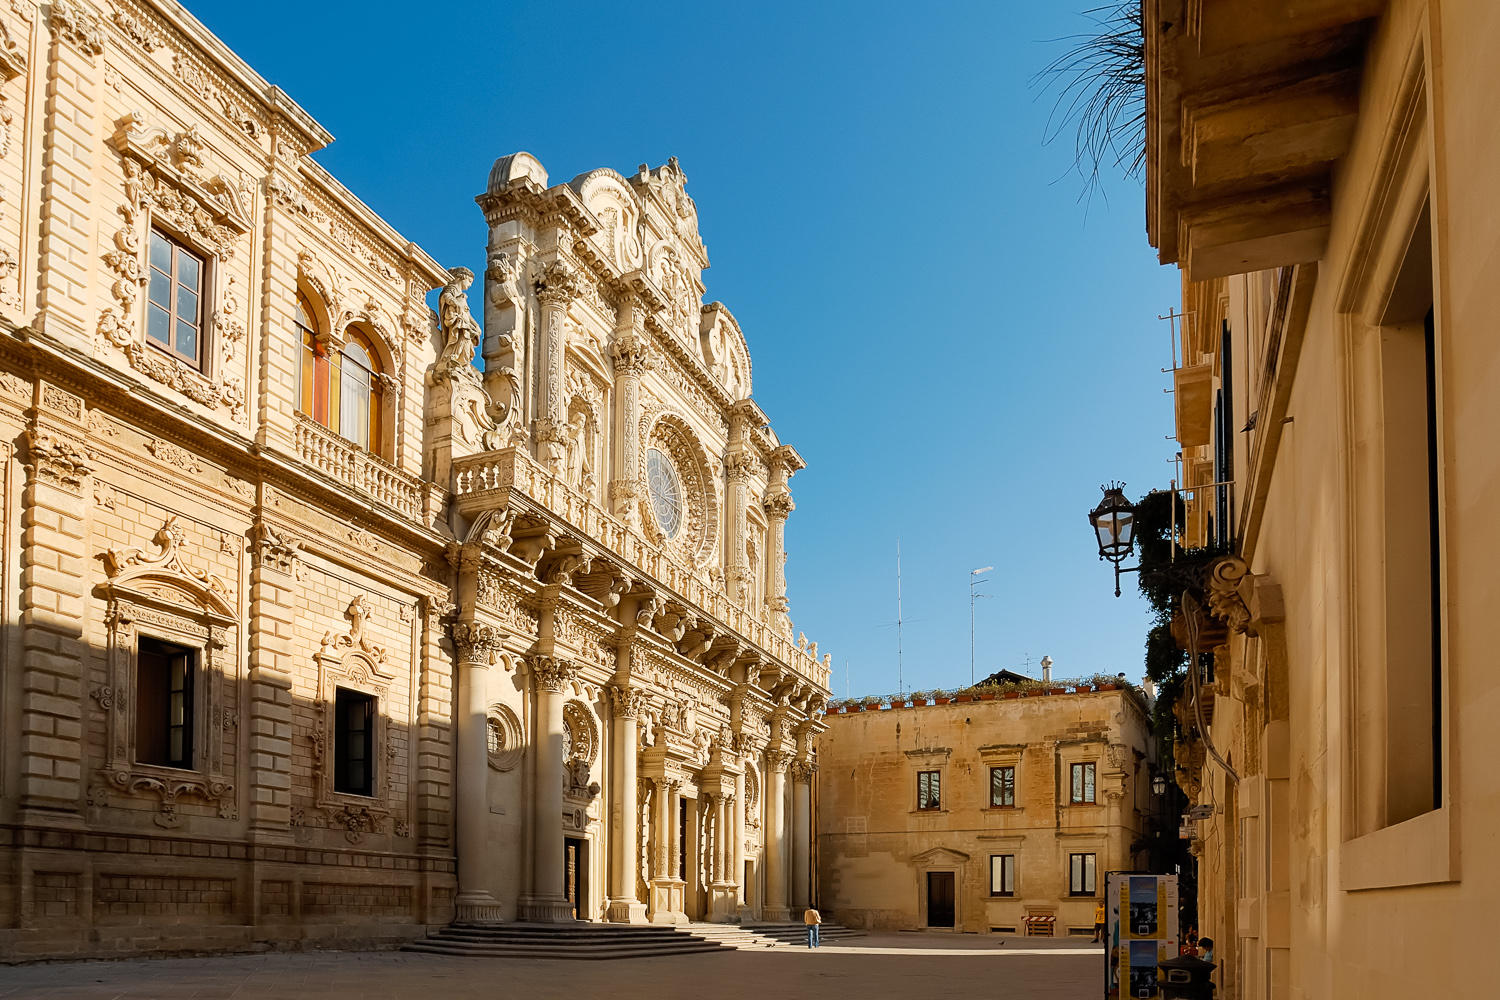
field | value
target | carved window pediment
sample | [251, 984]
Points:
[177, 161]
[159, 595]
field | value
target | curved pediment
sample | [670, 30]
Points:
[164, 576]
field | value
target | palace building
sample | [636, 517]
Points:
[315, 630]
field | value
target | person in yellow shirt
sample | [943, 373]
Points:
[812, 918]
[1099, 921]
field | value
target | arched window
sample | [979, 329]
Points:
[340, 387]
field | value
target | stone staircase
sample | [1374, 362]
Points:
[583, 941]
[830, 933]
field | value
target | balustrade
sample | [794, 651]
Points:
[347, 463]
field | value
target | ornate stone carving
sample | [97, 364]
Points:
[275, 550]
[168, 559]
[58, 461]
[802, 770]
[1223, 592]
[504, 738]
[476, 643]
[552, 673]
[626, 701]
[170, 453]
[138, 31]
[580, 733]
[779, 506]
[557, 284]
[355, 638]
[77, 24]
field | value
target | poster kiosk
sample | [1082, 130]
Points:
[1140, 931]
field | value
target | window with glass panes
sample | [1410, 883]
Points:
[929, 789]
[1081, 874]
[1083, 782]
[340, 387]
[164, 703]
[1002, 786]
[1002, 874]
[353, 742]
[174, 299]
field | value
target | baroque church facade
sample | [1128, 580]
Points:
[329, 617]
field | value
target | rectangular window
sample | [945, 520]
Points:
[174, 299]
[1081, 874]
[164, 704]
[1083, 782]
[929, 790]
[1002, 786]
[1002, 874]
[353, 742]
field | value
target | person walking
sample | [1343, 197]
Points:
[1099, 921]
[812, 918]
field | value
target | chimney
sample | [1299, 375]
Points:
[1046, 668]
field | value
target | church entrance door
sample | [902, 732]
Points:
[576, 875]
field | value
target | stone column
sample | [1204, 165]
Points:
[557, 287]
[775, 908]
[779, 506]
[737, 846]
[666, 882]
[624, 907]
[273, 609]
[802, 772]
[547, 902]
[631, 356]
[476, 646]
[54, 568]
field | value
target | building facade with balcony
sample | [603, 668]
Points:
[1321, 174]
[999, 815]
[313, 631]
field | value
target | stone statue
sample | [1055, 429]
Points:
[461, 334]
[579, 467]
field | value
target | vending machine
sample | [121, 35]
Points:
[1140, 931]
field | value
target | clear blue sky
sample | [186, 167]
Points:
[960, 354]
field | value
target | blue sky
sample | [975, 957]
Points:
[959, 350]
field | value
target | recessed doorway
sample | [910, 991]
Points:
[576, 875]
[939, 899]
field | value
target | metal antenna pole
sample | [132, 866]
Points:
[974, 578]
[900, 675]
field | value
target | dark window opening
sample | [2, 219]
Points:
[164, 704]
[354, 742]
[1081, 874]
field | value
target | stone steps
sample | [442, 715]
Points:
[578, 941]
[590, 941]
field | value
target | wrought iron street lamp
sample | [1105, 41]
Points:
[1159, 783]
[1114, 528]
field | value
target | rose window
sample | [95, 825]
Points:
[666, 491]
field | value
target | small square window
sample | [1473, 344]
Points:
[1081, 874]
[164, 703]
[1002, 874]
[929, 790]
[354, 742]
[1083, 782]
[1002, 786]
[174, 299]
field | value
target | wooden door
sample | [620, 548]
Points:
[939, 899]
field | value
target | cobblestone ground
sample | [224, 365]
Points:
[911, 967]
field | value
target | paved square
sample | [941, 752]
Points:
[906, 966]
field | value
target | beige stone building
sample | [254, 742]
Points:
[979, 815]
[313, 632]
[1323, 174]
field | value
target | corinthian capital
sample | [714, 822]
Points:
[777, 761]
[779, 506]
[627, 702]
[738, 465]
[552, 673]
[477, 644]
[558, 284]
[803, 770]
[630, 352]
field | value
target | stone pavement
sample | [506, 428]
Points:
[905, 966]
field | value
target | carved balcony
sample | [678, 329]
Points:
[350, 465]
[510, 478]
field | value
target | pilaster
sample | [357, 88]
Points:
[54, 563]
[273, 604]
[631, 356]
[433, 766]
[555, 290]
